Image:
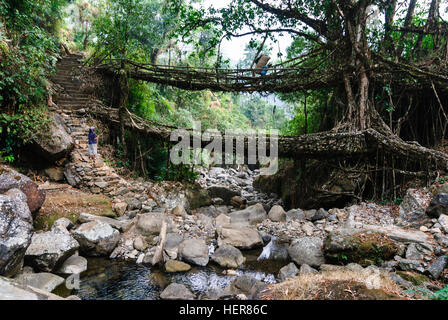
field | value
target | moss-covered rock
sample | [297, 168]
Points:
[197, 197]
[344, 246]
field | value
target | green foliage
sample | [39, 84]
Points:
[19, 129]
[441, 294]
[29, 31]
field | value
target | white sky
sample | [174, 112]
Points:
[233, 49]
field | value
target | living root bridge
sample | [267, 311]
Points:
[324, 145]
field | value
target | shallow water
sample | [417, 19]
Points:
[120, 280]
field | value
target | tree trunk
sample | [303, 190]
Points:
[123, 84]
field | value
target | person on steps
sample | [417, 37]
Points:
[93, 144]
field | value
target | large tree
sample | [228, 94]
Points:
[383, 62]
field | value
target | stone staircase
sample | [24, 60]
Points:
[72, 97]
[81, 172]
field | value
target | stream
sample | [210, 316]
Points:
[121, 280]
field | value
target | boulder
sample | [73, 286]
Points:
[73, 265]
[194, 251]
[411, 265]
[238, 202]
[239, 237]
[120, 208]
[418, 251]
[49, 250]
[276, 249]
[295, 215]
[12, 290]
[140, 243]
[176, 266]
[413, 219]
[362, 247]
[172, 242]
[443, 220]
[437, 267]
[222, 220]
[120, 225]
[288, 271]
[133, 204]
[62, 225]
[56, 143]
[307, 250]
[246, 285]
[319, 215]
[196, 198]
[150, 224]
[228, 256]
[277, 214]
[179, 211]
[177, 291]
[443, 241]
[16, 230]
[249, 216]
[438, 205]
[411, 202]
[10, 179]
[306, 269]
[55, 173]
[43, 281]
[224, 193]
[96, 238]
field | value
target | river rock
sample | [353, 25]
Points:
[443, 220]
[49, 250]
[306, 269]
[276, 249]
[307, 250]
[179, 211]
[224, 193]
[177, 291]
[120, 207]
[228, 256]
[194, 251]
[150, 224]
[249, 216]
[57, 143]
[73, 265]
[320, 214]
[172, 242]
[437, 267]
[43, 281]
[10, 179]
[295, 215]
[413, 219]
[96, 238]
[358, 246]
[120, 225]
[140, 243]
[418, 251]
[62, 225]
[238, 202]
[239, 237]
[246, 285]
[16, 230]
[12, 290]
[277, 214]
[411, 265]
[443, 241]
[410, 202]
[176, 266]
[438, 205]
[288, 271]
